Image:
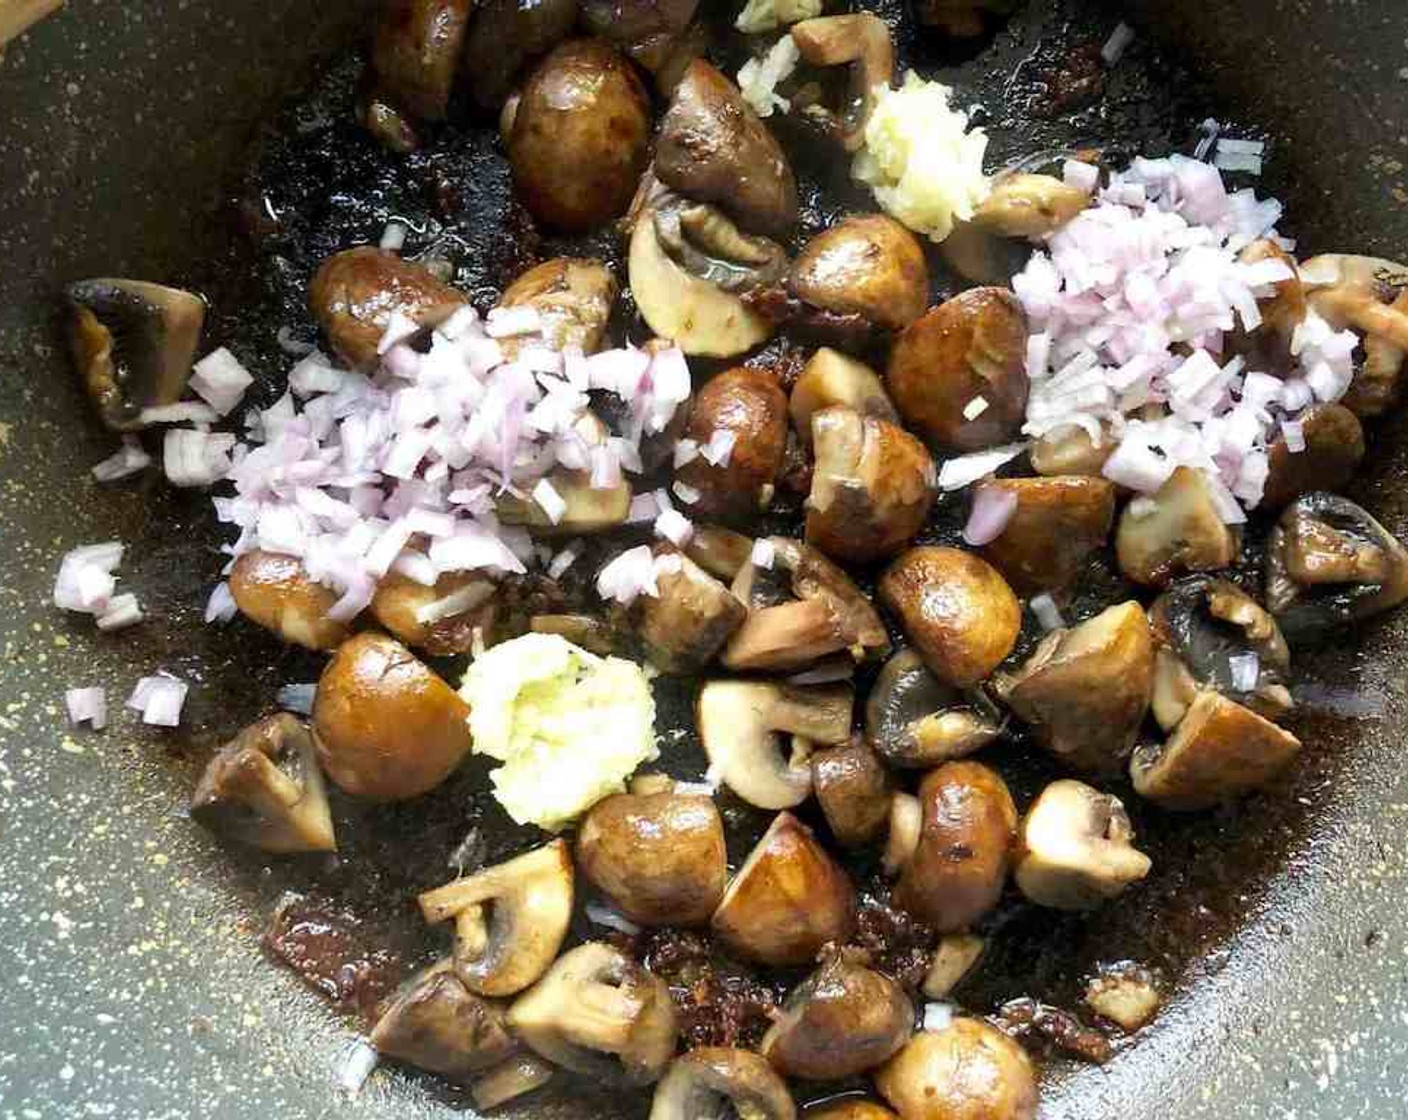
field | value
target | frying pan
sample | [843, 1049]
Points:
[133, 982]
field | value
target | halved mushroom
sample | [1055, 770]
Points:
[1127, 994]
[842, 1020]
[956, 872]
[1334, 448]
[704, 241]
[862, 41]
[1268, 347]
[504, 36]
[916, 721]
[441, 618]
[1209, 634]
[853, 790]
[739, 723]
[573, 298]
[515, 1077]
[720, 552]
[983, 257]
[866, 265]
[659, 857]
[1369, 295]
[1218, 751]
[585, 508]
[955, 956]
[787, 901]
[687, 621]
[1378, 383]
[1085, 690]
[958, 375]
[416, 51]
[1071, 450]
[850, 1108]
[1023, 204]
[276, 591]
[747, 406]
[435, 1023]
[1076, 848]
[831, 378]
[712, 1081]
[133, 343]
[957, 610]
[1055, 526]
[1174, 531]
[713, 148]
[264, 788]
[1329, 563]
[800, 609]
[599, 1013]
[529, 904]
[967, 1071]
[872, 486]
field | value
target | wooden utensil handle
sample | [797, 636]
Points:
[18, 16]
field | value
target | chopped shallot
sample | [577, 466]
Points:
[87, 705]
[220, 380]
[159, 699]
[129, 459]
[297, 698]
[1047, 612]
[992, 510]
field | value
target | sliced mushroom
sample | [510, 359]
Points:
[133, 343]
[598, 1012]
[264, 788]
[416, 52]
[867, 265]
[510, 919]
[276, 591]
[967, 1071]
[1055, 526]
[957, 610]
[974, 347]
[872, 487]
[842, 1020]
[1023, 204]
[916, 721]
[956, 873]
[713, 1081]
[1209, 634]
[1071, 450]
[748, 406]
[442, 618]
[713, 148]
[801, 609]
[739, 723]
[585, 508]
[504, 36]
[517, 1076]
[955, 956]
[704, 241]
[1127, 994]
[853, 790]
[573, 298]
[1329, 563]
[720, 552]
[862, 41]
[659, 857]
[1334, 448]
[1085, 690]
[1174, 531]
[1219, 751]
[687, 621]
[437, 1024]
[788, 899]
[831, 378]
[1076, 848]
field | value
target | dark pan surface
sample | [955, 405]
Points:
[137, 986]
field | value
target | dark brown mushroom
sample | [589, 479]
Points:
[967, 1071]
[276, 591]
[437, 1024]
[1334, 448]
[652, 32]
[1174, 531]
[916, 721]
[720, 552]
[1055, 526]
[1268, 347]
[1023, 204]
[688, 620]
[748, 405]
[573, 298]
[504, 36]
[441, 618]
[867, 265]
[853, 789]
[712, 1081]
[1076, 848]
[830, 378]
[706, 243]
[416, 51]
[860, 40]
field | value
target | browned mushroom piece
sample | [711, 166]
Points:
[969, 1070]
[831, 378]
[787, 901]
[713, 1081]
[1209, 634]
[853, 789]
[842, 1020]
[749, 406]
[956, 609]
[355, 292]
[1085, 690]
[955, 957]
[504, 36]
[659, 857]
[516, 1076]
[276, 591]
[1055, 526]
[1334, 448]
[580, 137]
[1378, 383]
[441, 618]
[971, 349]
[956, 872]
[1329, 563]
[1174, 531]
[573, 298]
[133, 343]
[387, 728]
[437, 1024]
[867, 265]
[1076, 848]
[510, 919]
[713, 148]
[1023, 204]
[706, 243]
[416, 51]
[599, 1013]
[1370, 296]
[801, 608]
[1268, 347]
[850, 1108]
[860, 40]
[1218, 751]
[1071, 450]
[739, 726]
[593, 634]
[720, 552]
[652, 32]
[914, 720]
[688, 620]
[872, 486]
[264, 788]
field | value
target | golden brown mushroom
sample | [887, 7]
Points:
[860, 40]
[573, 298]
[1334, 448]
[1076, 848]
[853, 789]
[867, 265]
[1023, 204]
[416, 51]
[1055, 526]
[967, 1071]
[831, 378]
[688, 620]
[712, 1081]
[1174, 531]
[276, 591]
[442, 618]
[435, 1023]
[748, 405]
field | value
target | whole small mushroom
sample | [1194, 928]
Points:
[1174, 531]
[712, 1081]
[853, 789]
[1076, 848]
[866, 265]
[967, 1071]
[276, 591]
[747, 409]
[914, 720]
[1055, 526]
[437, 1024]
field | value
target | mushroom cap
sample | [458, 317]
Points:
[416, 51]
[503, 36]
[967, 1071]
[276, 591]
[435, 1023]
[1173, 531]
[1054, 528]
[975, 345]
[440, 619]
[868, 265]
[1076, 848]
[956, 609]
[699, 1085]
[386, 727]
[787, 900]
[660, 858]
[1334, 448]
[573, 297]
[853, 789]
[914, 720]
[750, 405]
[1023, 204]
